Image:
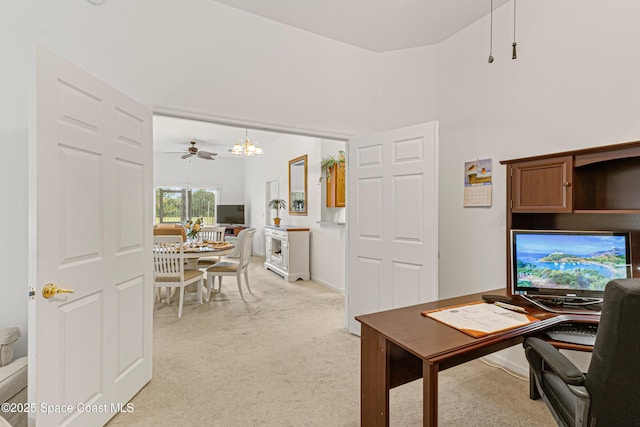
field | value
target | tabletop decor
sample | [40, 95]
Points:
[193, 228]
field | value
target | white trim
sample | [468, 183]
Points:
[327, 285]
[508, 364]
[248, 123]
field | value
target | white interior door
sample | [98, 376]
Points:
[392, 220]
[91, 193]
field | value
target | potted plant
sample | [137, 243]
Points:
[277, 204]
[328, 162]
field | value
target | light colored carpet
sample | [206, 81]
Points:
[283, 358]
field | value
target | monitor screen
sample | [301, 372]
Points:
[568, 263]
[230, 214]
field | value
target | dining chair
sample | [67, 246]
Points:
[169, 271]
[230, 268]
[236, 246]
[212, 234]
[170, 229]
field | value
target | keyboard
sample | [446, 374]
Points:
[574, 333]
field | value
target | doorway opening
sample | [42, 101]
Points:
[255, 180]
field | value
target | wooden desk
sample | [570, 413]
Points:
[399, 346]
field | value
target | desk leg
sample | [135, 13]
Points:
[429, 394]
[374, 379]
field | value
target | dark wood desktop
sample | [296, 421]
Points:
[399, 346]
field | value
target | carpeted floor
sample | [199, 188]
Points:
[283, 358]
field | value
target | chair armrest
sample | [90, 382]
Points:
[8, 336]
[555, 360]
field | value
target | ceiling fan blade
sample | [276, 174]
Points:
[186, 156]
[206, 154]
[205, 157]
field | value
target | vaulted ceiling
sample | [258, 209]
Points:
[375, 25]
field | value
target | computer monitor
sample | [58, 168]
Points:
[572, 266]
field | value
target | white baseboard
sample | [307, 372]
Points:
[514, 360]
[326, 284]
[511, 362]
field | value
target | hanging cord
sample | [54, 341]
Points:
[491, 36]
[514, 55]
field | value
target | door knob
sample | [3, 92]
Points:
[50, 289]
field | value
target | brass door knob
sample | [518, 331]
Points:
[50, 289]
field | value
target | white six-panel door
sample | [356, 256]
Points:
[392, 220]
[91, 164]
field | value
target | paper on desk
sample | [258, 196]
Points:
[479, 319]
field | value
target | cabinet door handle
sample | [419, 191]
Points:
[566, 184]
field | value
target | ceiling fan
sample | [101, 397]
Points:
[193, 151]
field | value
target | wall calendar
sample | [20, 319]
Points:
[477, 183]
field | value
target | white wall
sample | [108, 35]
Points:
[225, 175]
[274, 164]
[406, 88]
[326, 244]
[205, 57]
[16, 28]
[195, 56]
[574, 85]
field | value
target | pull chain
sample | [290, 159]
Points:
[514, 54]
[491, 36]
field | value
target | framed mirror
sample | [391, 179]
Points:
[298, 186]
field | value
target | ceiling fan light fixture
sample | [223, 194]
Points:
[246, 147]
[237, 149]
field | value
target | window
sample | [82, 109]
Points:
[177, 205]
[202, 204]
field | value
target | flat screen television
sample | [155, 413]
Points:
[571, 266]
[230, 214]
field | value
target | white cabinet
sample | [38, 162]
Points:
[287, 252]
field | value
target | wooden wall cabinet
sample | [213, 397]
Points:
[542, 185]
[594, 189]
[336, 186]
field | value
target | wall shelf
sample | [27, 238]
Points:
[331, 224]
[591, 189]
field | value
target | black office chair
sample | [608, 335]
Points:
[609, 393]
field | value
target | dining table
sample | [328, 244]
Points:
[192, 252]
